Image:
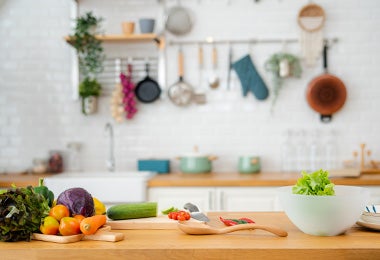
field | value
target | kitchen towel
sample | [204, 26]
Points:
[249, 78]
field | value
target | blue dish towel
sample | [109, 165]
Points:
[249, 78]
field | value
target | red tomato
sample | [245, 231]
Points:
[69, 226]
[59, 211]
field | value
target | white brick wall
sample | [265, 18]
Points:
[38, 115]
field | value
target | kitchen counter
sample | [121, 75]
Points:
[247, 180]
[210, 179]
[357, 243]
[20, 179]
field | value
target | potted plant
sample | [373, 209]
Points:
[90, 56]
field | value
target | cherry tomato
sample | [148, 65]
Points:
[79, 217]
[181, 218]
[183, 215]
[69, 226]
[49, 226]
[59, 211]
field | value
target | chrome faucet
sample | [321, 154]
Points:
[110, 162]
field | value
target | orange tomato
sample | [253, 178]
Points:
[49, 226]
[59, 211]
[69, 226]
[79, 217]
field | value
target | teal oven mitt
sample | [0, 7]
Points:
[249, 78]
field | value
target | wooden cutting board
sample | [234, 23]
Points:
[103, 234]
[160, 222]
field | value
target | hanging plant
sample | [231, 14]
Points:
[282, 66]
[90, 57]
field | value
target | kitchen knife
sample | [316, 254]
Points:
[195, 213]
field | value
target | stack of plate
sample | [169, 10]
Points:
[370, 218]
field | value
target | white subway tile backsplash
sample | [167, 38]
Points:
[38, 115]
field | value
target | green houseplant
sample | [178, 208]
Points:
[273, 65]
[90, 57]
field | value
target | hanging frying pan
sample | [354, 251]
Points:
[326, 94]
[147, 90]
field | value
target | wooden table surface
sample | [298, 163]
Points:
[357, 243]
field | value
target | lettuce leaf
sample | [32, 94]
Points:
[316, 183]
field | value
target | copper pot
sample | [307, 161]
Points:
[326, 94]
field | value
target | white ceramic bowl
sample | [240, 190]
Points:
[324, 215]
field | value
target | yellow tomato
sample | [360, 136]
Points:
[49, 226]
[100, 208]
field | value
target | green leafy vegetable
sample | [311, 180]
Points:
[21, 213]
[42, 189]
[316, 183]
[168, 210]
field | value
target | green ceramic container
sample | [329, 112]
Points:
[249, 164]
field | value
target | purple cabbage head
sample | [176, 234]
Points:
[78, 201]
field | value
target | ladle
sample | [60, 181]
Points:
[204, 229]
[213, 79]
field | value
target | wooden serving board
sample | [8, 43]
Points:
[160, 222]
[103, 234]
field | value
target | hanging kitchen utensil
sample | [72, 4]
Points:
[147, 90]
[311, 19]
[213, 80]
[229, 66]
[200, 96]
[180, 93]
[326, 94]
[178, 20]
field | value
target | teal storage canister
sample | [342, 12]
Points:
[154, 165]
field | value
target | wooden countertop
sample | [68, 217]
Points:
[248, 180]
[20, 180]
[210, 179]
[357, 243]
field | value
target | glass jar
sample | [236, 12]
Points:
[74, 159]
[39, 165]
[55, 162]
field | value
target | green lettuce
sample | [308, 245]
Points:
[316, 183]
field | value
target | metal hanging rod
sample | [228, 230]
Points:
[247, 41]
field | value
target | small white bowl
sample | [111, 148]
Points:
[324, 215]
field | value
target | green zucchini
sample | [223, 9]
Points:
[132, 210]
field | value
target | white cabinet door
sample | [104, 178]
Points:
[374, 195]
[247, 199]
[203, 197]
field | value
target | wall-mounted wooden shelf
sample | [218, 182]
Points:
[133, 38]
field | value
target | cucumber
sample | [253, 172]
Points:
[132, 210]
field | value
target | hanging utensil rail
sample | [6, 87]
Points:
[244, 41]
[116, 65]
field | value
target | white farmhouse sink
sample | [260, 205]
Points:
[109, 187]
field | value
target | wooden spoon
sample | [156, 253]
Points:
[203, 229]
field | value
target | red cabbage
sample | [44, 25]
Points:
[78, 201]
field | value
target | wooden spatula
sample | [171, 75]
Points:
[204, 229]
